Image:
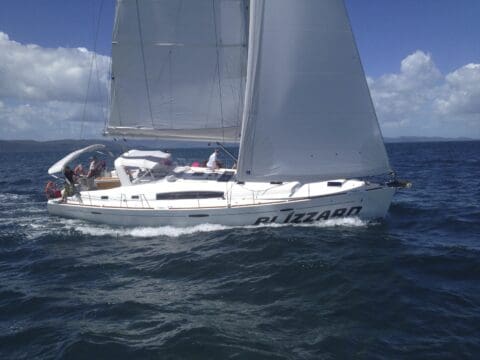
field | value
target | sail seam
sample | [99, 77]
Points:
[147, 88]
[218, 67]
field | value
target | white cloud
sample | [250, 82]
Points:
[43, 90]
[50, 120]
[462, 93]
[419, 100]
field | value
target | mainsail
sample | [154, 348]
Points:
[308, 112]
[178, 69]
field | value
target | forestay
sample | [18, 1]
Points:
[178, 69]
[308, 112]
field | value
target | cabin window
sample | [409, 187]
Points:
[334, 183]
[135, 197]
[104, 197]
[184, 195]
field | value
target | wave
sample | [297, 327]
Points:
[171, 231]
[12, 197]
[40, 224]
[147, 232]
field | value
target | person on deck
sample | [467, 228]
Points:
[212, 160]
[69, 175]
[93, 169]
[69, 183]
[78, 171]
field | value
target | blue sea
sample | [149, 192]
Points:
[406, 287]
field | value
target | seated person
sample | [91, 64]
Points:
[95, 167]
[51, 191]
[94, 170]
[78, 171]
[212, 161]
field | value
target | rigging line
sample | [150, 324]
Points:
[94, 55]
[147, 88]
[109, 97]
[170, 63]
[99, 90]
[226, 151]
[218, 68]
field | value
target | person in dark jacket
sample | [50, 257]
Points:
[69, 183]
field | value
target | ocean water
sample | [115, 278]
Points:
[407, 287]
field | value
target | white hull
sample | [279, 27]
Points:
[268, 204]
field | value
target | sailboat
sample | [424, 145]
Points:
[283, 78]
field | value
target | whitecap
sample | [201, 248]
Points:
[172, 231]
[148, 232]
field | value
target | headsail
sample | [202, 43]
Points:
[308, 112]
[178, 69]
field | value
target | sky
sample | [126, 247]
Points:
[421, 59]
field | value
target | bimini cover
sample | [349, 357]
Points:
[143, 159]
[136, 163]
[146, 160]
[147, 154]
[60, 165]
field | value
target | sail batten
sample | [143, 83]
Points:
[178, 66]
[308, 114]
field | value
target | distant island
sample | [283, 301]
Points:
[67, 145]
[409, 139]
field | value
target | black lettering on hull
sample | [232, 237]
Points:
[262, 220]
[265, 220]
[310, 217]
[339, 212]
[354, 211]
[297, 219]
[288, 218]
[324, 215]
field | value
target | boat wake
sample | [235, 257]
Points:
[171, 231]
[148, 232]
